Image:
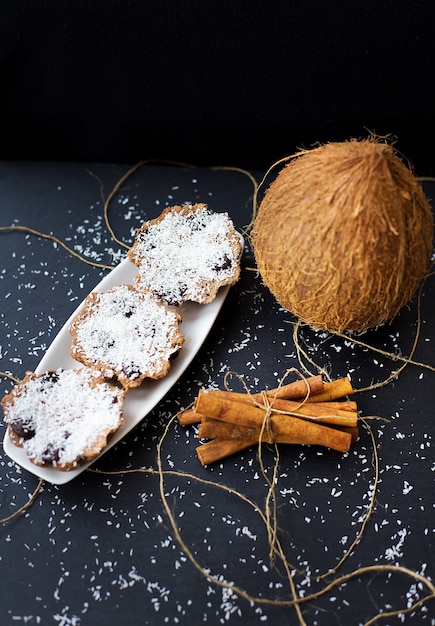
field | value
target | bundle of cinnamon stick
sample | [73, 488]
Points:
[306, 411]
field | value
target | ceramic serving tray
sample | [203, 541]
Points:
[197, 322]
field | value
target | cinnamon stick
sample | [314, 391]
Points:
[188, 417]
[211, 428]
[286, 432]
[306, 411]
[334, 390]
[352, 430]
[319, 411]
[219, 449]
[289, 429]
[297, 389]
[327, 412]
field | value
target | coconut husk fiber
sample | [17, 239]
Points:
[343, 235]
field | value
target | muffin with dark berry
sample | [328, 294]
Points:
[187, 254]
[63, 418]
[126, 334]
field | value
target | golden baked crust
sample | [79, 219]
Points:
[187, 254]
[128, 335]
[63, 418]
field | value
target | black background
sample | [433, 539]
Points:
[87, 87]
[101, 549]
[226, 82]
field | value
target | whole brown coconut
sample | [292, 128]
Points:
[343, 235]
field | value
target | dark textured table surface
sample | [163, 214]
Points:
[102, 548]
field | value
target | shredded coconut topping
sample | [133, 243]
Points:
[187, 254]
[64, 416]
[127, 333]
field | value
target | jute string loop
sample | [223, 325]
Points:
[269, 515]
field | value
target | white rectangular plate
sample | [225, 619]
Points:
[197, 322]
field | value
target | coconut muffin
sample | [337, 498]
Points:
[63, 418]
[128, 335]
[186, 254]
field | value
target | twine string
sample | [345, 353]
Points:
[269, 515]
[37, 233]
[26, 505]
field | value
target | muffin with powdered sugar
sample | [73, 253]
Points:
[127, 334]
[187, 254]
[63, 418]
